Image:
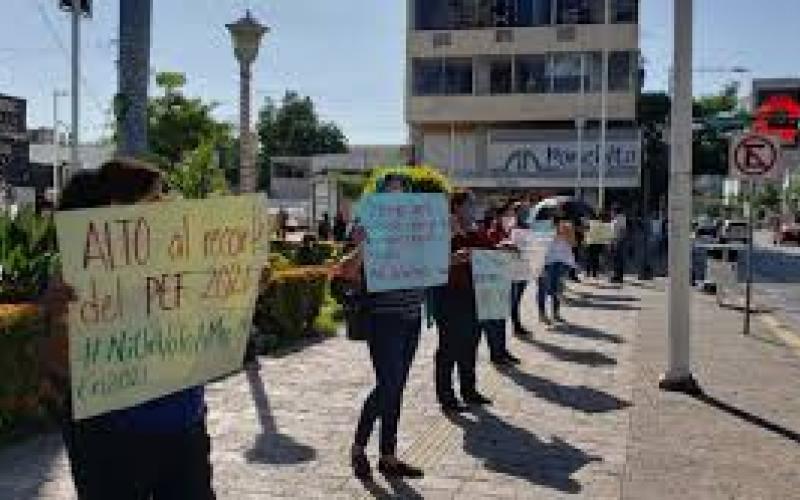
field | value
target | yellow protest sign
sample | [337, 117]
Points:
[165, 295]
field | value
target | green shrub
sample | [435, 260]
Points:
[27, 255]
[289, 304]
[320, 253]
[25, 397]
[278, 262]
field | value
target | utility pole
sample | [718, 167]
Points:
[76, 75]
[601, 174]
[678, 376]
[580, 123]
[56, 148]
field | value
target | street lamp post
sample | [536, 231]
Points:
[678, 376]
[246, 34]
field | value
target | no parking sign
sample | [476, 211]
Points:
[755, 156]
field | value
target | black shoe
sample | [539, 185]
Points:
[399, 469]
[521, 332]
[501, 362]
[477, 399]
[361, 467]
[452, 407]
[512, 359]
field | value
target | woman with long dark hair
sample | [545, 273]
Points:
[394, 327]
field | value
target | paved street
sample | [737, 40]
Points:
[581, 418]
[777, 273]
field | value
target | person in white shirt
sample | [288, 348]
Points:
[557, 262]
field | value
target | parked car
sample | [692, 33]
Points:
[787, 232]
[734, 231]
[706, 229]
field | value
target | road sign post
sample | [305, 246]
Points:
[748, 294]
[753, 157]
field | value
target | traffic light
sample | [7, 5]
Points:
[85, 6]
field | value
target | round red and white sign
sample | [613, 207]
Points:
[755, 155]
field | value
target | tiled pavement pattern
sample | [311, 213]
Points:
[579, 419]
[557, 428]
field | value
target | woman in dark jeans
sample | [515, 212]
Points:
[395, 324]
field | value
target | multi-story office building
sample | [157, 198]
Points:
[497, 90]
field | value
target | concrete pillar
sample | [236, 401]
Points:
[678, 376]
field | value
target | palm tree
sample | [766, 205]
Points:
[135, 18]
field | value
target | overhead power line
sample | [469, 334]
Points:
[51, 28]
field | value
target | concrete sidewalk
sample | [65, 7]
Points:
[740, 440]
[580, 418]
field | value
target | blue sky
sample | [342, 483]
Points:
[346, 54]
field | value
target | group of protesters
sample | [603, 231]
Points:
[395, 322]
[161, 449]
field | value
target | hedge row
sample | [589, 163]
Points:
[320, 252]
[25, 396]
[290, 302]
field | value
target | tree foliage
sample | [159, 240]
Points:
[198, 175]
[726, 101]
[178, 124]
[653, 112]
[768, 197]
[293, 128]
[710, 143]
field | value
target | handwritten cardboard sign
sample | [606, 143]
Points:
[408, 240]
[165, 295]
[600, 233]
[533, 248]
[491, 274]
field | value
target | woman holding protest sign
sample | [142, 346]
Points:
[394, 324]
[459, 332]
[493, 232]
[155, 450]
[517, 217]
[558, 260]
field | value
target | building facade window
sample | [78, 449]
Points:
[535, 12]
[531, 74]
[432, 15]
[624, 11]
[621, 69]
[477, 14]
[427, 76]
[557, 72]
[458, 76]
[501, 76]
[438, 76]
[580, 11]
[566, 72]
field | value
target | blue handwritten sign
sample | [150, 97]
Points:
[491, 274]
[408, 240]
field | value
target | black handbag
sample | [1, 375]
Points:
[355, 306]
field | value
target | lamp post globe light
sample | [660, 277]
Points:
[247, 34]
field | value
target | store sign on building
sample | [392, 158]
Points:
[560, 159]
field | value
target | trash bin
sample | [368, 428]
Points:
[723, 271]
